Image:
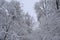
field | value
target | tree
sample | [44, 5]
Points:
[14, 25]
[45, 7]
[48, 19]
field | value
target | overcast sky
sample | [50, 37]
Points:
[28, 6]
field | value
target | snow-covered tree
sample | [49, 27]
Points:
[45, 7]
[14, 25]
[48, 17]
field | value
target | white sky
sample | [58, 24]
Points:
[28, 6]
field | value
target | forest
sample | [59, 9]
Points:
[15, 24]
